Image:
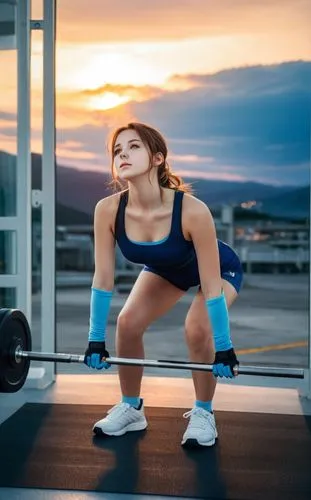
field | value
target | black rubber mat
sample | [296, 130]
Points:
[257, 456]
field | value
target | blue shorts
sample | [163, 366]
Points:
[183, 279]
[235, 277]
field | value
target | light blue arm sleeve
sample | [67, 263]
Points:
[218, 315]
[99, 311]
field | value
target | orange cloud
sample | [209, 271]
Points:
[74, 155]
[199, 174]
[8, 124]
[137, 93]
[75, 109]
[8, 143]
[102, 20]
[110, 96]
[191, 158]
[79, 101]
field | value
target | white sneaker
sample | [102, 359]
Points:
[201, 430]
[120, 419]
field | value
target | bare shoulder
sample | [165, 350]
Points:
[106, 209]
[196, 217]
[108, 204]
[194, 208]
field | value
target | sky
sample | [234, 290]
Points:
[227, 83]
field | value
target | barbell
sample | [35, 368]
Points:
[16, 354]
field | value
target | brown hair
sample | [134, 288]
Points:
[155, 143]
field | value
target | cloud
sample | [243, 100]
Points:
[212, 175]
[73, 151]
[138, 93]
[256, 119]
[244, 123]
[191, 158]
[89, 138]
[110, 95]
[8, 129]
[8, 117]
[246, 81]
[103, 20]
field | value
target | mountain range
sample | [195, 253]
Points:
[78, 191]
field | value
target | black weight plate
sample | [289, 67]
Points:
[14, 332]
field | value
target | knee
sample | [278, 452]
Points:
[198, 335]
[128, 326]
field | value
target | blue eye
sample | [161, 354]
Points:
[134, 145]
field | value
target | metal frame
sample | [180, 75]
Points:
[8, 28]
[23, 159]
[22, 281]
[305, 392]
[308, 389]
[21, 223]
[48, 187]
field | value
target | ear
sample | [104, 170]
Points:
[158, 159]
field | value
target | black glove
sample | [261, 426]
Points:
[94, 354]
[224, 363]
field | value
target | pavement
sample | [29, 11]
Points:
[269, 324]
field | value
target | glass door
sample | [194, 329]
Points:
[16, 196]
[15, 189]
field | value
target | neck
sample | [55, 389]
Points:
[147, 196]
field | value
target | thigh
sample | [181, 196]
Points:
[197, 313]
[150, 298]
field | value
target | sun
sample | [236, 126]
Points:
[107, 100]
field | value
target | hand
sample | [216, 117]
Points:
[224, 363]
[94, 354]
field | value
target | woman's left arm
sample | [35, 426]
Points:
[201, 228]
[203, 234]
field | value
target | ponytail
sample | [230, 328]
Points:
[167, 179]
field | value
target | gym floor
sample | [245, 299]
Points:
[82, 389]
[270, 311]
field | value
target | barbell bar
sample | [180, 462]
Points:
[16, 354]
[162, 363]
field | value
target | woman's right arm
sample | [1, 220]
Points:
[104, 244]
[102, 285]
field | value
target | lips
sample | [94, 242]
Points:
[125, 165]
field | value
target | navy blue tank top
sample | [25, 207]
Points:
[171, 257]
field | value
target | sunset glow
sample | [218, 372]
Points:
[198, 79]
[108, 100]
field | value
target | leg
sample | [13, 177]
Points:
[201, 430]
[200, 342]
[150, 298]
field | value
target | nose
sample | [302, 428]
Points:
[123, 154]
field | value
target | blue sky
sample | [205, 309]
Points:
[228, 84]
[244, 123]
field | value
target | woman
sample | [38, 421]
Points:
[157, 222]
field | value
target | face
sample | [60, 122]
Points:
[130, 155]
